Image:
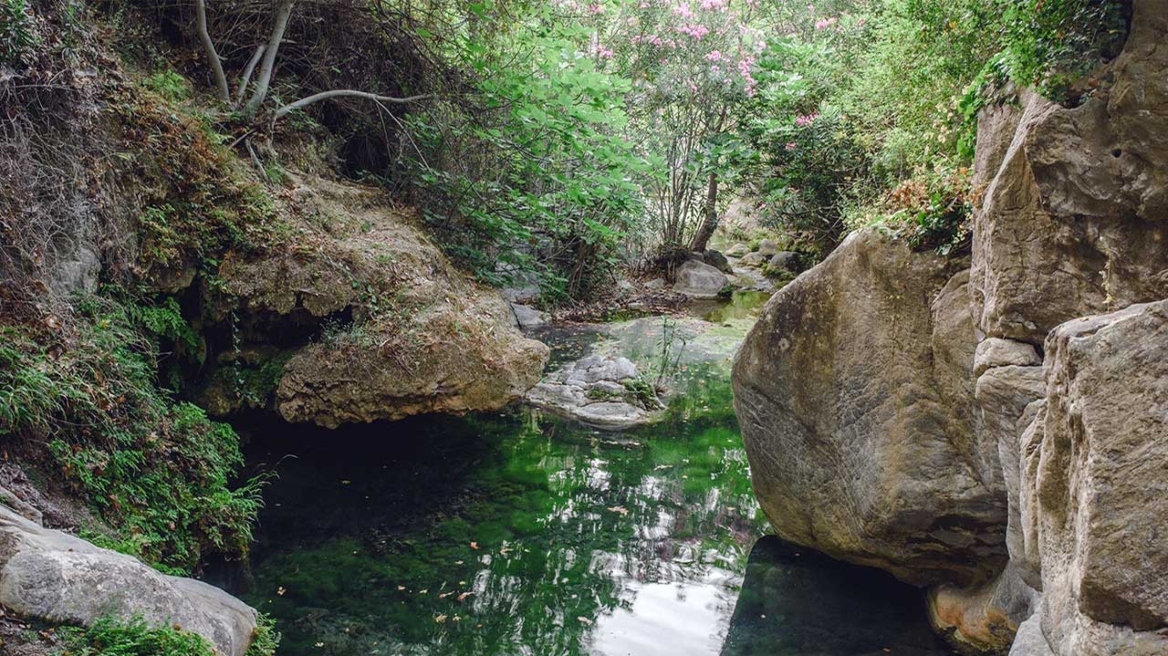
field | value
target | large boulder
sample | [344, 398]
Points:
[700, 280]
[372, 322]
[1101, 485]
[58, 578]
[1073, 220]
[854, 391]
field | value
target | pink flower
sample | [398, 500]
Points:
[804, 121]
[595, 9]
[792, 146]
[714, 56]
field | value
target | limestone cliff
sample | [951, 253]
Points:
[1005, 441]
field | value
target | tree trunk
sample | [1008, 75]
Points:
[221, 88]
[283, 14]
[710, 222]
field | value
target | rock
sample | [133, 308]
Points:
[1102, 485]
[994, 352]
[737, 250]
[20, 506]
[592, 391]
[985, 619]
[58, 578]
[1004, 395]
[785, 261]
[1072, 221]
[377, 322]
[718, 261]
[768, 248]
[656, 283]
[753, 260]
[854, 391]
[700, 280]
[525, 294]
[526, 317]
[595, 368]
[1029, 641]
[453, 357]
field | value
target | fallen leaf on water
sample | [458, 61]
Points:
[401, 587]
[440, 619]
[280, 591]
[445, 595]
[463, 596]
[619, 509]
[423, 591]
[474, 545]
[505, 550]
[459, 562]
[584, 620]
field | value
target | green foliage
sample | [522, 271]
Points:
[18, 35]
[110, 637]
[540, 178]
[266, 639]
[171, 86]
[156, 470]
[1051, 44]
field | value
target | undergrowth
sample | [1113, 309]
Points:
[110, 637]
[156, 469]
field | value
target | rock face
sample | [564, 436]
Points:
[700, 280]
[854, 393]
[1073, 219]
[889, 426]
[1102, 484]
[377, 323]
[58, 578]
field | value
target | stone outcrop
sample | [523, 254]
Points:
[1057, 409]
[1101, 485]
[1073, 221]
[854, 392]
[376, 322]
[58, 578]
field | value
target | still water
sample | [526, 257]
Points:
[523, 534]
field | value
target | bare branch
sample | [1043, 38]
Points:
[283, 14]
[325, 95]
[209, 48]
[245, 79]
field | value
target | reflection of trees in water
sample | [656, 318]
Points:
[567, 523]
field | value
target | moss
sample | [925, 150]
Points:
[197, 199]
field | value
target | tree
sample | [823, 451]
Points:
[265, 57]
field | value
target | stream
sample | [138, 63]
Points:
[523, 533]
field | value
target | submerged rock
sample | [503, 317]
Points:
[58, 578]
[602, 391]
[854, 393]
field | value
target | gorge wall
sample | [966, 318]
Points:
[995, 428]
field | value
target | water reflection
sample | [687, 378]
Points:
[516, 534]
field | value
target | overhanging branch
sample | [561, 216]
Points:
[325, 95]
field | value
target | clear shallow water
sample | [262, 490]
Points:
[511, 534]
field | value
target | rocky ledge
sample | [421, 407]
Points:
[61, 579]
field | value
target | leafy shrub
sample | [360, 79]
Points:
[18, 35]
[157, 470]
